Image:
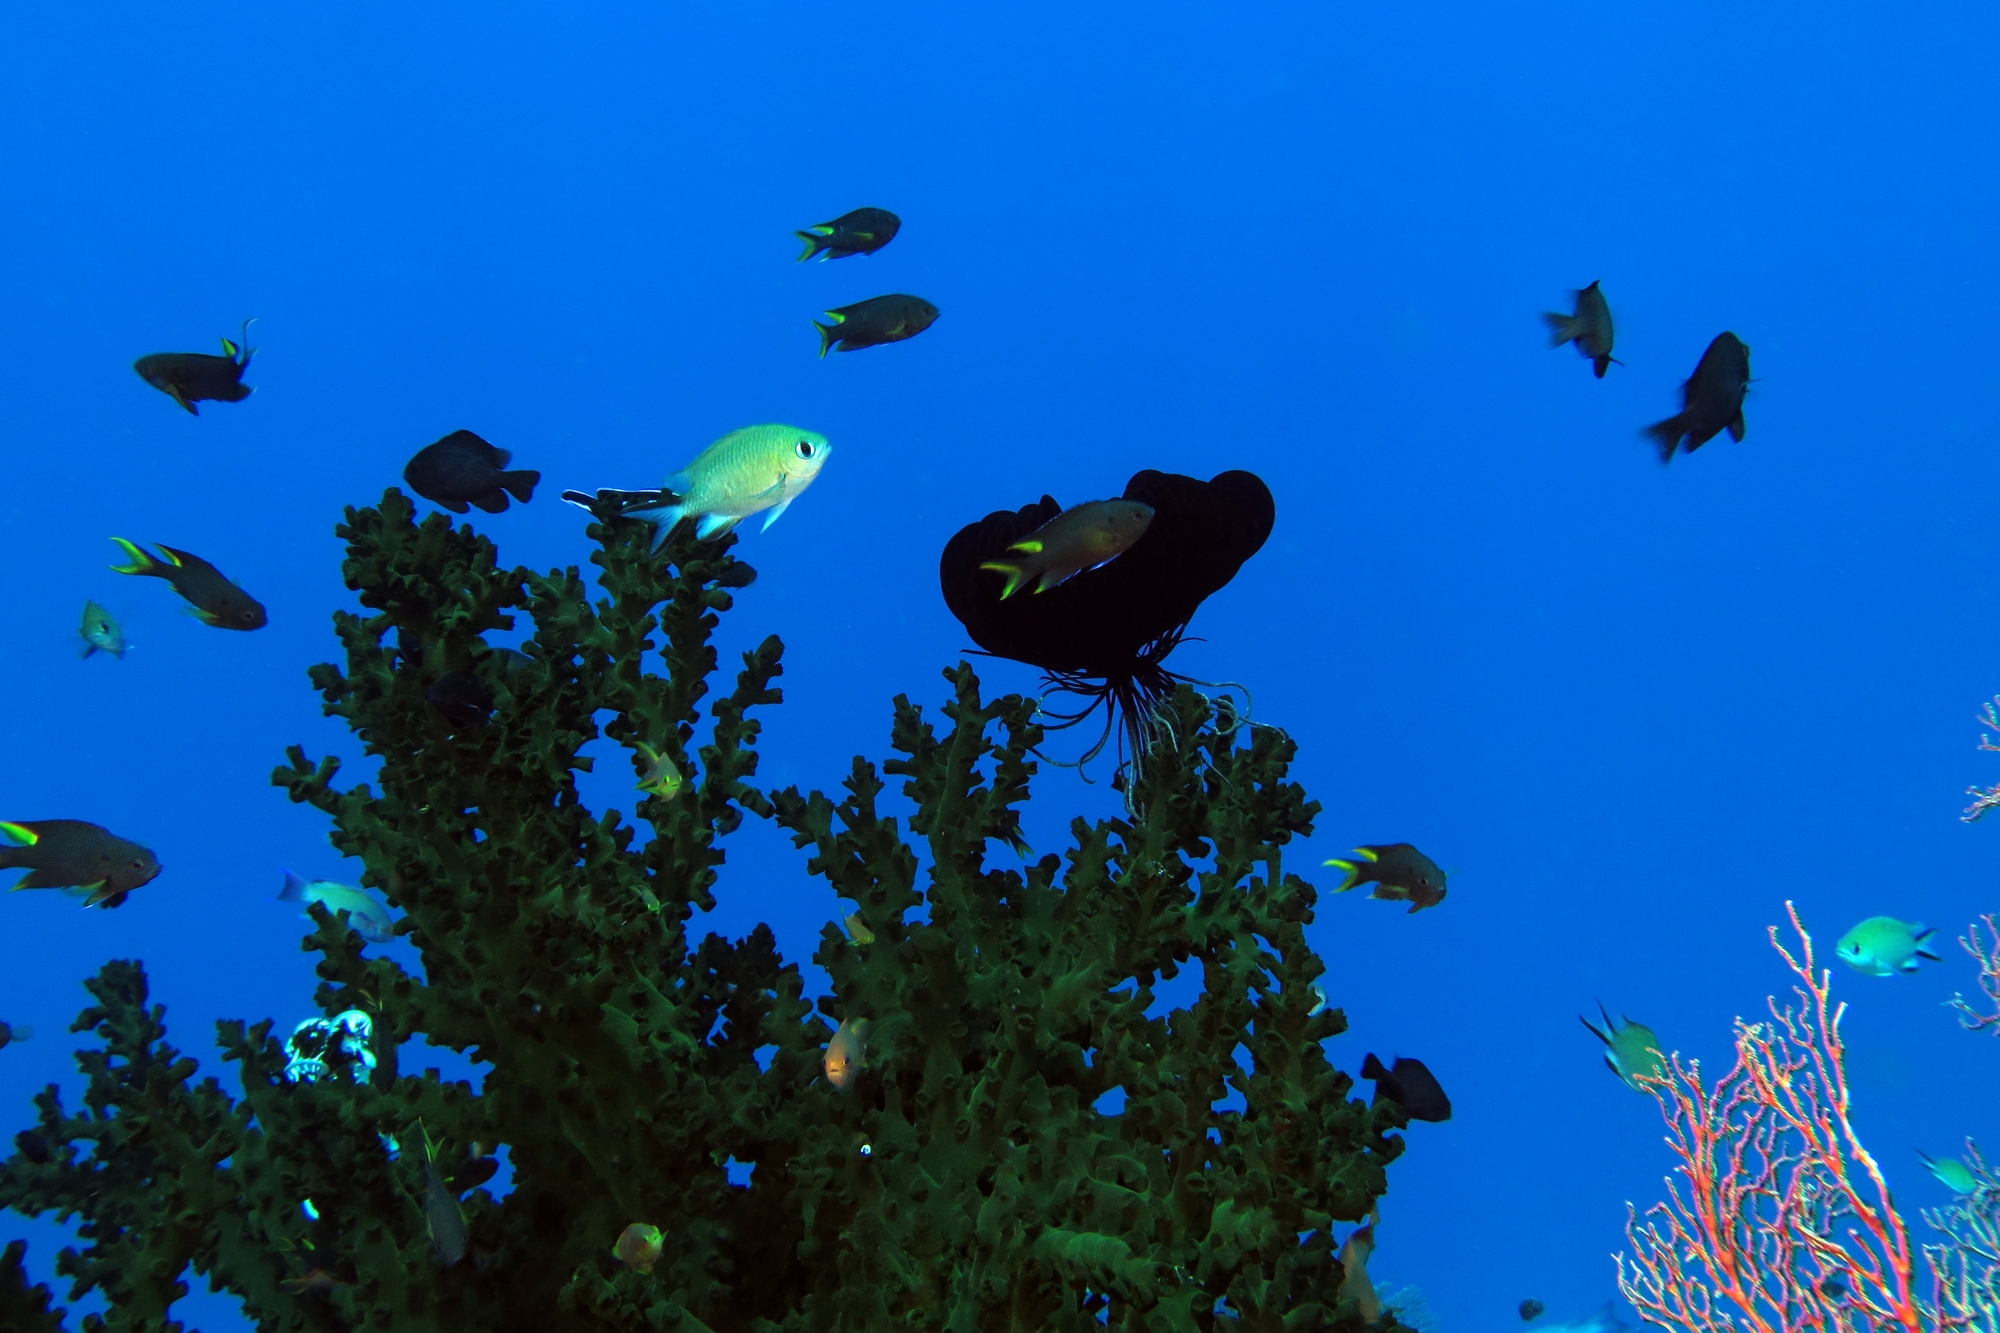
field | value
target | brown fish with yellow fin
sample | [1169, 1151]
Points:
[191, 377]
[73, 854]
[214, 600]
[1075, 540]
[1399, 872]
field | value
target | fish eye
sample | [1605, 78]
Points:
[804, 448]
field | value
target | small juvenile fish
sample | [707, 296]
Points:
[216, 601]
[317, 1280]
[638, 1246]
[857, 929]
[862, 232]
[1711, 399]
[878, 320]
[189, 377]
[73, 854]
[369, 918]
[1956, 1175]
[661, 778]
[13, 1032]
[1073, 541]
[1632, 1052]
[1882, 946]
[442, 1214]
[463, 699]
[1399, 872]
[463, 469]
[1531, 1309]
[755, 470]
[1589, 328]
[847, 1053]
[101, 631]
[1411, 1085]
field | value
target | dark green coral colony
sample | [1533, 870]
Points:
[966, 1180]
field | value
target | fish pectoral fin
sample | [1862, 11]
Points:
[771, 515]
[174, 390]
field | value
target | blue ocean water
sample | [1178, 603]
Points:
[1633, 710]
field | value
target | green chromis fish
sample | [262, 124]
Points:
[1632, 1051]
[1071, 542]
[72, 854]
[638, 1246]
[369, 918]
[861, 232]
[847, 1053]
[442, 1214]
[661, 777]
[190, 377]
[13, 1032]
[1956, 1175]
[755, 470]
[1589, 328]
[101, 631]
[213, 598]
[1882, 946]
[1399, 872]
[871, 323]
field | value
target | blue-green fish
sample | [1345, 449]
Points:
[369, 918]
[1956, 1175]
[1882, 946]
[1632, 1051]
[755, 470]
[101, 631]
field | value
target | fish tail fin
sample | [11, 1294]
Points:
[829, 334]
[294, 890]
[20, 1032]
[1371, 1067]
[1666, 435]
[1354, 873]
[816, 241]
[1562, 328]
[1923, 944]
[664, 520]
[521, 483]
[1016, 576]
[1602, 1036]
[143, 562]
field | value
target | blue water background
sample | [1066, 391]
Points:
[1632, 709]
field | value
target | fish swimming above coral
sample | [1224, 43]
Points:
[73, 854]
[861, 232]
[1589, 327]
[1882, 946]
[1399, 872]
[755, 470]
[1711, 399]
[463, 469]
[1410, 1084]
[192, 377]
[101, 632]
[874, 322]
[1071, 542]
[1104, 634]
[1632, 1051]
[369, 918]
[211, 597]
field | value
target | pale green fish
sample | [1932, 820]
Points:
[1632, 1051]
[369, 918]
[755, 470]
[101, 631]
[661, 778]
[1956, 1175]
[1882, 946]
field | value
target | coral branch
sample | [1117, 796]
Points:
[1987, 955]
[1780, 1219]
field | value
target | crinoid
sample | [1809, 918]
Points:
[1103, 636]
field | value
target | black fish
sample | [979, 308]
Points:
[189, 377]
[215, 599]
[1399, 873]
[1589, 328]
[878, 320]
[1114, 624]
[737, 575]
[1531, 1309]
[72, 854]
[462, 467]
[12, 1032]
[463, 698]
[862, 232]
[1711, 400]
[1410, 1085]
